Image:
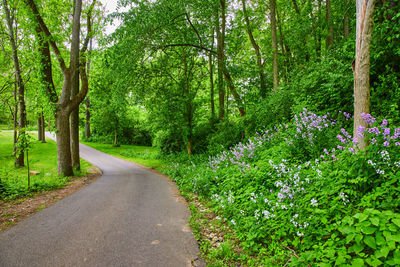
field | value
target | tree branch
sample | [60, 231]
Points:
[44, 28]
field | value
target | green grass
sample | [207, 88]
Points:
[144, 155]
[42, 158]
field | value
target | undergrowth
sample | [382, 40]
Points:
[301, 193]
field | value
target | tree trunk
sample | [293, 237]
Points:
[15, 120]
[346, 22]
[63, 144]
[87, 121]
[263, 88]
[235, 95]
[318, 32]
[211, 69]
[74, 117]
[39, 126]
[19, 160]
[221, 59]
[274, 45]
[329, 37]
[43, 128]
[365, 10]
[283, 46]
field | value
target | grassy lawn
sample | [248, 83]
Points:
[144, 155]
[42, 158]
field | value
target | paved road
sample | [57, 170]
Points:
[127, 217]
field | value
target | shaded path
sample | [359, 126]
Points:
[127, 217]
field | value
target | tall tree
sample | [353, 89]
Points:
[274, 45]
[364, 23]
[65, 104]
[19, 160]
[220, 26]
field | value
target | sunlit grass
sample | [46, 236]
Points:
[42, 159]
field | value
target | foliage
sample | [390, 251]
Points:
[292, 187]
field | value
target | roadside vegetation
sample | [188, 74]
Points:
[42, 165]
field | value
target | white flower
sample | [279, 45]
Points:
[299, 233]
[233, 222]
[314, 202]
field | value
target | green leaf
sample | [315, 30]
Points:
[357, 248]
[396, 222]
[370, 241]
[368, 230]
[373, 261]
[357, 262]
[396, 238]
[349, 238]
[346, 229]
[358, 238]
[348, 220]
[380, 240]
[374, 221]
[340, 260]
[383, 252]
[361, 216]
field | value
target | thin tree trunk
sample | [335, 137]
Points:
[39, 126]
[346, 22]
[19, 160]
[43, 128]
[329, 37]
[87, 121]
[211, 69]
[221, 59]
[15, 120]
[235, 95]
[282, 41]
[74, 117]
[274, 45]
[318, 32]
[365, 10]
[263, 88]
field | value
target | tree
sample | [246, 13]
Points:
[19, 160]
[65, 104]
[365, 11]
[274, 45]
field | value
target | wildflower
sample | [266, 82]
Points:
[300, 234]
[314, 202]
[233, 222]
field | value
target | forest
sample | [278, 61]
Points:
[281, 116]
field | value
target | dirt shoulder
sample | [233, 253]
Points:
[12, 212]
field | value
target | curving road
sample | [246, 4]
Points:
[127, 217]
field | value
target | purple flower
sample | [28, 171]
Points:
[384, 123]
[386, 143]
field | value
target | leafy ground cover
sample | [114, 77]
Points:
[144, 155]
[301, 193]
[42, 159]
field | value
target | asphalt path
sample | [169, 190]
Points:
[129, 216]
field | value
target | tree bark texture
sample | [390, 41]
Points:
[364, 24]
[329, 37]
[19, 160]
[263, 88]
[274, 45]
